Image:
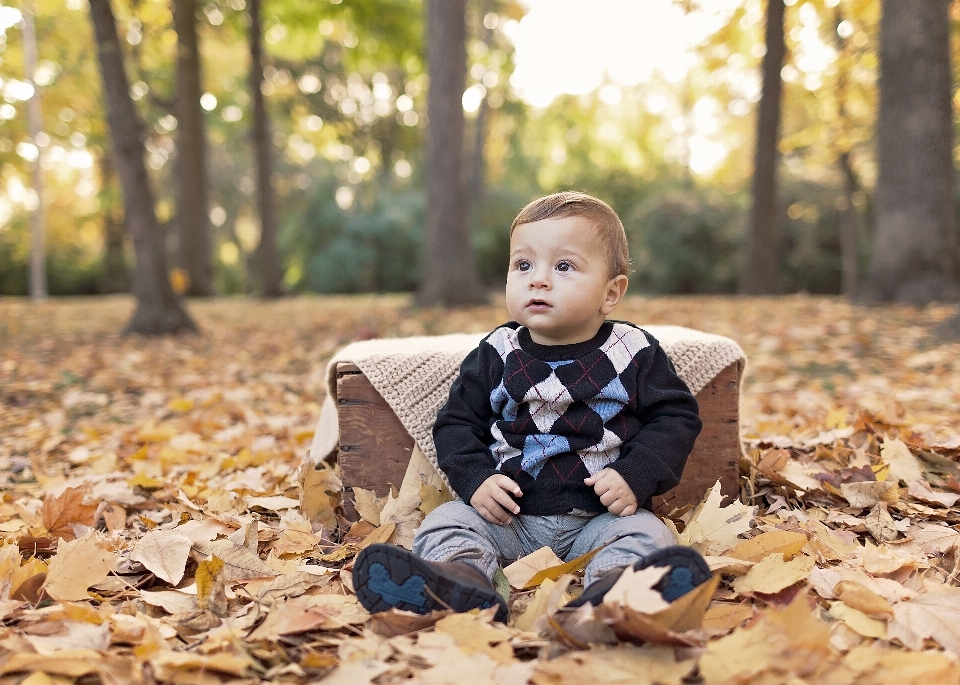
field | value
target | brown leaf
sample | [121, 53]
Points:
[59, 512]
[785, 542]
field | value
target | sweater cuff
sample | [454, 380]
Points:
[639, 476]
[470, 482]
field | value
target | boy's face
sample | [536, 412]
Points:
[558, 285]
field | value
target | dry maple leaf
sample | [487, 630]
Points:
[60, 512]
[713, 529]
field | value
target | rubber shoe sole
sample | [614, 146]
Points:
[387, 577]
[688, 569]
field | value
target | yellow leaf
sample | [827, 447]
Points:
[181, 405]
[786, 542]
[773, 574]
[320, 494]
[862, 598]
[713, 529]
[859, 621]
[554, 572]
[146, 482]
[210, 582]
[523, 569]
[431, 497]
[378, 535]
[152, 433]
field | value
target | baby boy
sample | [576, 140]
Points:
[560, 429]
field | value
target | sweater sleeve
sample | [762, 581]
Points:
[653, 460]
[462, 429]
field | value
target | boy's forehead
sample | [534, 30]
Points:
[573, 233]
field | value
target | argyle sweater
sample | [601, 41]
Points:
[549, 416]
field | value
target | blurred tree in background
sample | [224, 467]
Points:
[345, 89]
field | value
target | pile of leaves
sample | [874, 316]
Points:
[154, 527]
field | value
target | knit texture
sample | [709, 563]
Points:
[414, 376]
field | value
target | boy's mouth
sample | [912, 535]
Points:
[538, 304]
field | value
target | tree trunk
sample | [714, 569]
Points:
[449, 275]
[193, 219]
[38, 231]
[849, 231]
[114, 278]
[914, 257]
[762, 254]
[267, 258]
[158, 309]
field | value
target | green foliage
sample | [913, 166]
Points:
[686, 241]
[372, 247]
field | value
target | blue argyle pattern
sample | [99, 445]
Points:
[576, 406]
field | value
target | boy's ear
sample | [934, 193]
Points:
[616, 289]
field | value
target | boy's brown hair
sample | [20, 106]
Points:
[573, 203]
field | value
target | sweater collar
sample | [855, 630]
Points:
[559, 353]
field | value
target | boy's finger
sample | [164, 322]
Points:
[510, 485]
[503, 498]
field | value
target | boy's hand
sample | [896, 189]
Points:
[492, 499]
[614, 492]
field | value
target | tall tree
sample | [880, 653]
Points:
[914, 256]
[448, 272]
[267, 258]
[193, 219]
[38, 240]
[158, 308]
[761, 260]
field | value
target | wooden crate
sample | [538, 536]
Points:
[375, 447]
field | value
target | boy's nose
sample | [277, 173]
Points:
[541, 279]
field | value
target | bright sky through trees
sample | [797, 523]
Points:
[571, 46]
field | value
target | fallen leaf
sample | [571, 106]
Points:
[859, 621]
[211, 593]
[431, 497]
[862, 598]
[724, 617]
[59, 513]
[864, 494]
[922, 491]
[624, 665]
[554, 572]
[77, 565]
[903, 465]
[171, 601]
[634, 589]
[713, 529]
[396, 622]
[368, 505]
[772, 574]
[523, 569]
[239, 562]
[935, 615]
[319, 495]
[164, 553]
[550, 596]
[785, 542]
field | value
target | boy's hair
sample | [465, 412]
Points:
[573, 203]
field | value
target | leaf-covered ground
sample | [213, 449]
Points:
[152, 529]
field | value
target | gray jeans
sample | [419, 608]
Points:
[455, 531]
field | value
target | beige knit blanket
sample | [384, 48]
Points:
[414, 376]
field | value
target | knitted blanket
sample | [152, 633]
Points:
[414, 375]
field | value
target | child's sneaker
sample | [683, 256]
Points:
[688, 569]
[387, 577]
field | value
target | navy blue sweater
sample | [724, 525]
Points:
[549, 416]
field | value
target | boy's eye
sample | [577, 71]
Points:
[524, 265]
[564, 266]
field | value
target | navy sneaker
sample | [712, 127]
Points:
[688, 569]
[387, 577]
